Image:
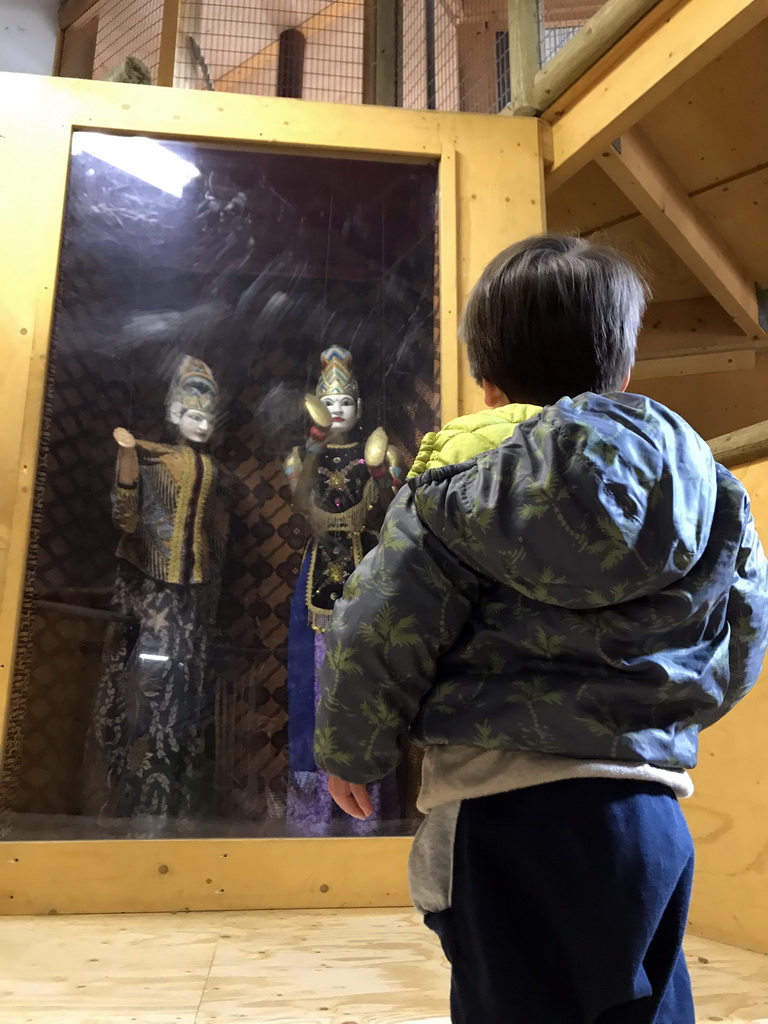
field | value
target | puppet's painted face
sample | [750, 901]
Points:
[345, 411]
[196, 426]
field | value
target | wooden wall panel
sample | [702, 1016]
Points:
[668, 276]
[739, 212]
[722, 110]
[590, 204]
[729, 812]
[715, 403]
[587, 201]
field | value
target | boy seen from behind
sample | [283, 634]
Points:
[567, 591]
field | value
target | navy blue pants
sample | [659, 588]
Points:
[569, 906]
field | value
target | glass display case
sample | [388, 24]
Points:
[230, 325]
[164, 643]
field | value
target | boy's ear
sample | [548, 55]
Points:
[494, 397]
[627, 379]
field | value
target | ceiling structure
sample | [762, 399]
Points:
[662, 150]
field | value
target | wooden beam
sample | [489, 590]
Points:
[691, 37]
[687, 365]
[57, 52]
[169, 38]
[613, 20]
[319, 22]
[661, 345]
[641, 174]
[694, 318]
[523, 55]
[381, 66]
[692, 327]
[629, 42]
[72, 11]
[740, 446]
[545, 144]
[370, 17]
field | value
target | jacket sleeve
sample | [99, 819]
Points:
[747, 617]
[401, 610]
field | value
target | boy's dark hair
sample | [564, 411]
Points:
[554, 316]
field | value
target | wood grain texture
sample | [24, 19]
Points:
[689, 364]
[97, 877]
[335, 967]
[714, 403]
[749, 444]
[669, 278]
[729, 813]
[587, 202]
[605, 27]
[720, 107]
[169, 33]
[492, 191]
[523, 55]
[738, 210]
[654, 188]
[695, 33]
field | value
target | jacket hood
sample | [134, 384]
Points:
[469, 435]
[595, 501]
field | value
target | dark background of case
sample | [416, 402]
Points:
[266, 260]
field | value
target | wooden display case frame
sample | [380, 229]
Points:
[490, 195]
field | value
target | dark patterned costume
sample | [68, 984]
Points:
[344, 523]
[148, 751]
[345, 517]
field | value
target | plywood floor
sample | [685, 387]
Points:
[335, 967]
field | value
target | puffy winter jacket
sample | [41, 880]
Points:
[471, 435]
[593, 587]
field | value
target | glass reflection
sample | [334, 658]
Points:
[229, 325]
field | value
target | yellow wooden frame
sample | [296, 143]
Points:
[491, 194]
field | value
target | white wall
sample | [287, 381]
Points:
[28, 35]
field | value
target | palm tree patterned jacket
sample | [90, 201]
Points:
[592, 587]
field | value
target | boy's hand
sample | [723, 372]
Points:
[351, 798]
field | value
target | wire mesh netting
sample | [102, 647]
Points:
[559, 21]
[450, 55]
[107, 33]
[437, 54]
[308, 49]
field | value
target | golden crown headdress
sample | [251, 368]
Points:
[336, 377]
[193, 386]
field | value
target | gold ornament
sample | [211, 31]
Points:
[336, 572]
[376, 448]
[318, 412]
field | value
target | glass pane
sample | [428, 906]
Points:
[176, 600]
